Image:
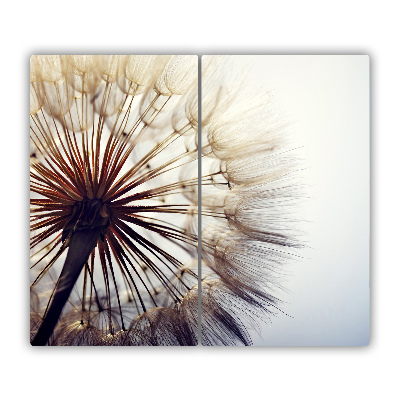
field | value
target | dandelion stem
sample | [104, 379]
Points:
[81, 244]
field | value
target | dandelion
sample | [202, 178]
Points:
[247, 205]
[114, 203]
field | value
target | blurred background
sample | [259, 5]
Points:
[326, 101]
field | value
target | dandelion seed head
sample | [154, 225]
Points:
[114, 184]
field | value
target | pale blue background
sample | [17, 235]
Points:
[327, 100]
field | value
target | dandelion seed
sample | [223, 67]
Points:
[247, 193]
